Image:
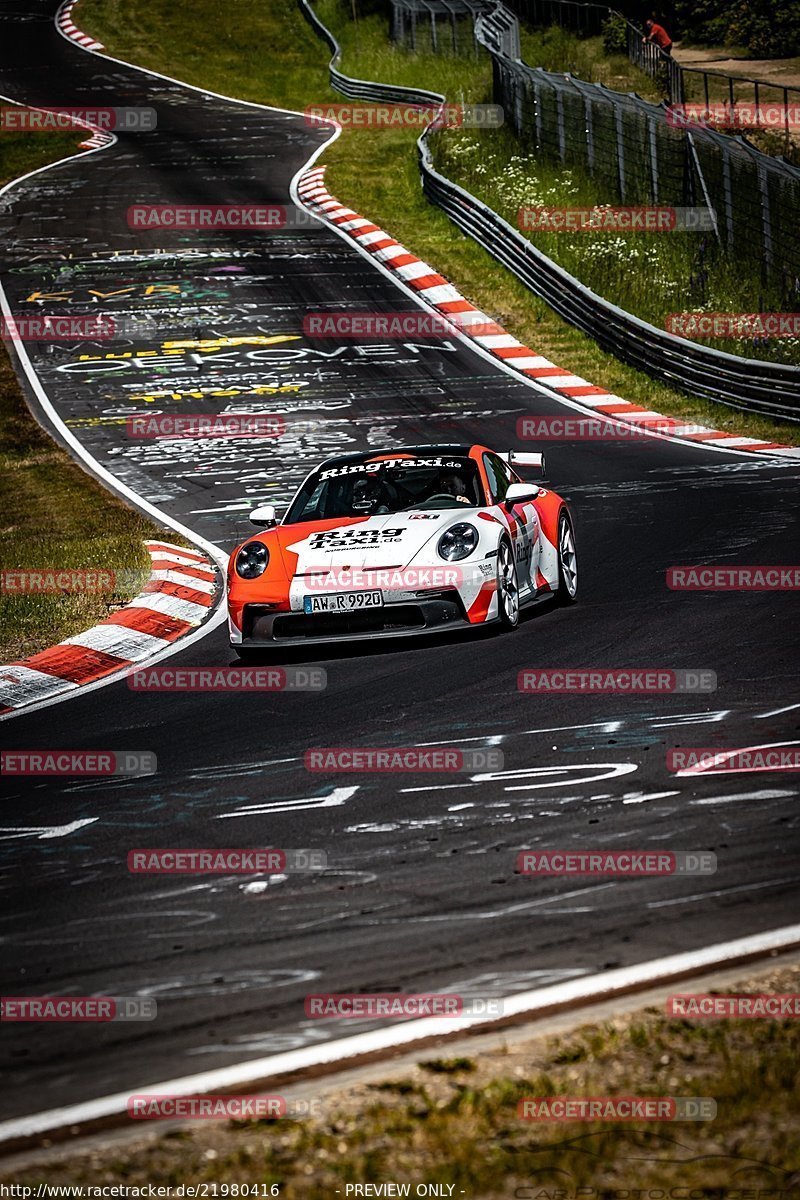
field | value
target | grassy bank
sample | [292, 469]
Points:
[648, 274]
[453, 1120]
[54, 515]
[273, 56]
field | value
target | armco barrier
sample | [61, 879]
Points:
[769, 389]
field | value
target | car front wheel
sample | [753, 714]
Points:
[507, 587]
[567, 561]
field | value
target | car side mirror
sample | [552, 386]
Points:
[264, 516]
[519, 493]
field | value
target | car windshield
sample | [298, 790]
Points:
[387, 486]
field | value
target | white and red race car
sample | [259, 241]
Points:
[398, 543]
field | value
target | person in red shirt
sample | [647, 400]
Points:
[658, 35]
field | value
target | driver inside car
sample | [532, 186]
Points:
[453, 484]
[371, 496]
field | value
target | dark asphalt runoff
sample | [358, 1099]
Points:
[420, 893]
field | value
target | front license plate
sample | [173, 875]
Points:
[343, 602]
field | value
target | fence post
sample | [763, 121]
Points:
[562, 147]
[727, 194]
[620, 150]
[587, 108]
[537, 108]
[651, 125]
[702, 179]
[766, 218]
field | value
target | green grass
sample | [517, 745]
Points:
[54, 515]
[557, 49]
[273, 56]
[644, 273]
[454, 1121]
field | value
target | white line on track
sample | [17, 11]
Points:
[587, 989]
[776, 711]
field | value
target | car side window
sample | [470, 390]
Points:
[497, 475]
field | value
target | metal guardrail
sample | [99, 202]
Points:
[769, 389]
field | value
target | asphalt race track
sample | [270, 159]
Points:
[420, 893]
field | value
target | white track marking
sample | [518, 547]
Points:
[696, 897]
[776, 712]
[45, 832]
[717, 767]
[765, 794]
[336, 798]
[610, 771]
[570, 994]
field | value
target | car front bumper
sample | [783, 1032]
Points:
[263, 626]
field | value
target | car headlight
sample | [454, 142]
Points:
[252, 559]
[458, 541]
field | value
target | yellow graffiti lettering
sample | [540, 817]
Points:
[34, 296]
[220, 342]
[153, 289]
[105, 295]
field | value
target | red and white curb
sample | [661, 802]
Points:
[435, 290]
[68, 27]
[177, 599]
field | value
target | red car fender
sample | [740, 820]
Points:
[549, 505]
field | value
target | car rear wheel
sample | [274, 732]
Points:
[567, 561]
[507, 587]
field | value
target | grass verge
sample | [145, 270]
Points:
[453, 1121]
[54, 515]
[274, 57]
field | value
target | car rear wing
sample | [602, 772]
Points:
[519, 458]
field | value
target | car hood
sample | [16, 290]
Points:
[391, 540]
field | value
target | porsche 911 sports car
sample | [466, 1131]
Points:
[398, 543]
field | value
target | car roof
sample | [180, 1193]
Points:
[462, 449]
